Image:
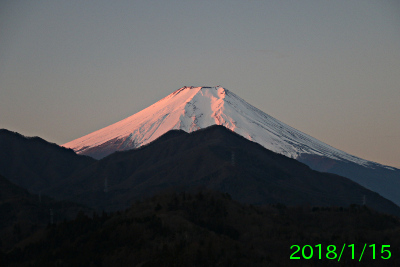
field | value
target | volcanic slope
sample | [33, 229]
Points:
[193, 108]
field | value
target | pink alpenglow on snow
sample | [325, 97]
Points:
[193, 108]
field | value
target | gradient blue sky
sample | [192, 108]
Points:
[328, 68]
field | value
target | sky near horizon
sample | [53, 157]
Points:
[330, 69]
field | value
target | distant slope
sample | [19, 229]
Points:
[36, 164]
[214, 158]
[385, 181]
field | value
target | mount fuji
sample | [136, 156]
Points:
[194, 108]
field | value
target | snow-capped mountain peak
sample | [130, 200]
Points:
[192, 108]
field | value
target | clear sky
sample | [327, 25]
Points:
[328, 68]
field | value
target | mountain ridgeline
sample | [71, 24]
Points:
[214, 158]
[36, 164]
[193, 108]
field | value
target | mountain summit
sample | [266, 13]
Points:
[194, 108]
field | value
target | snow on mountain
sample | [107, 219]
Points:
[193, 108]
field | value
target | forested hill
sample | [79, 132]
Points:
[210, 229]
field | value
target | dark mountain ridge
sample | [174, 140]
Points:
[218, 159]
[36, 164]
[214, 158]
